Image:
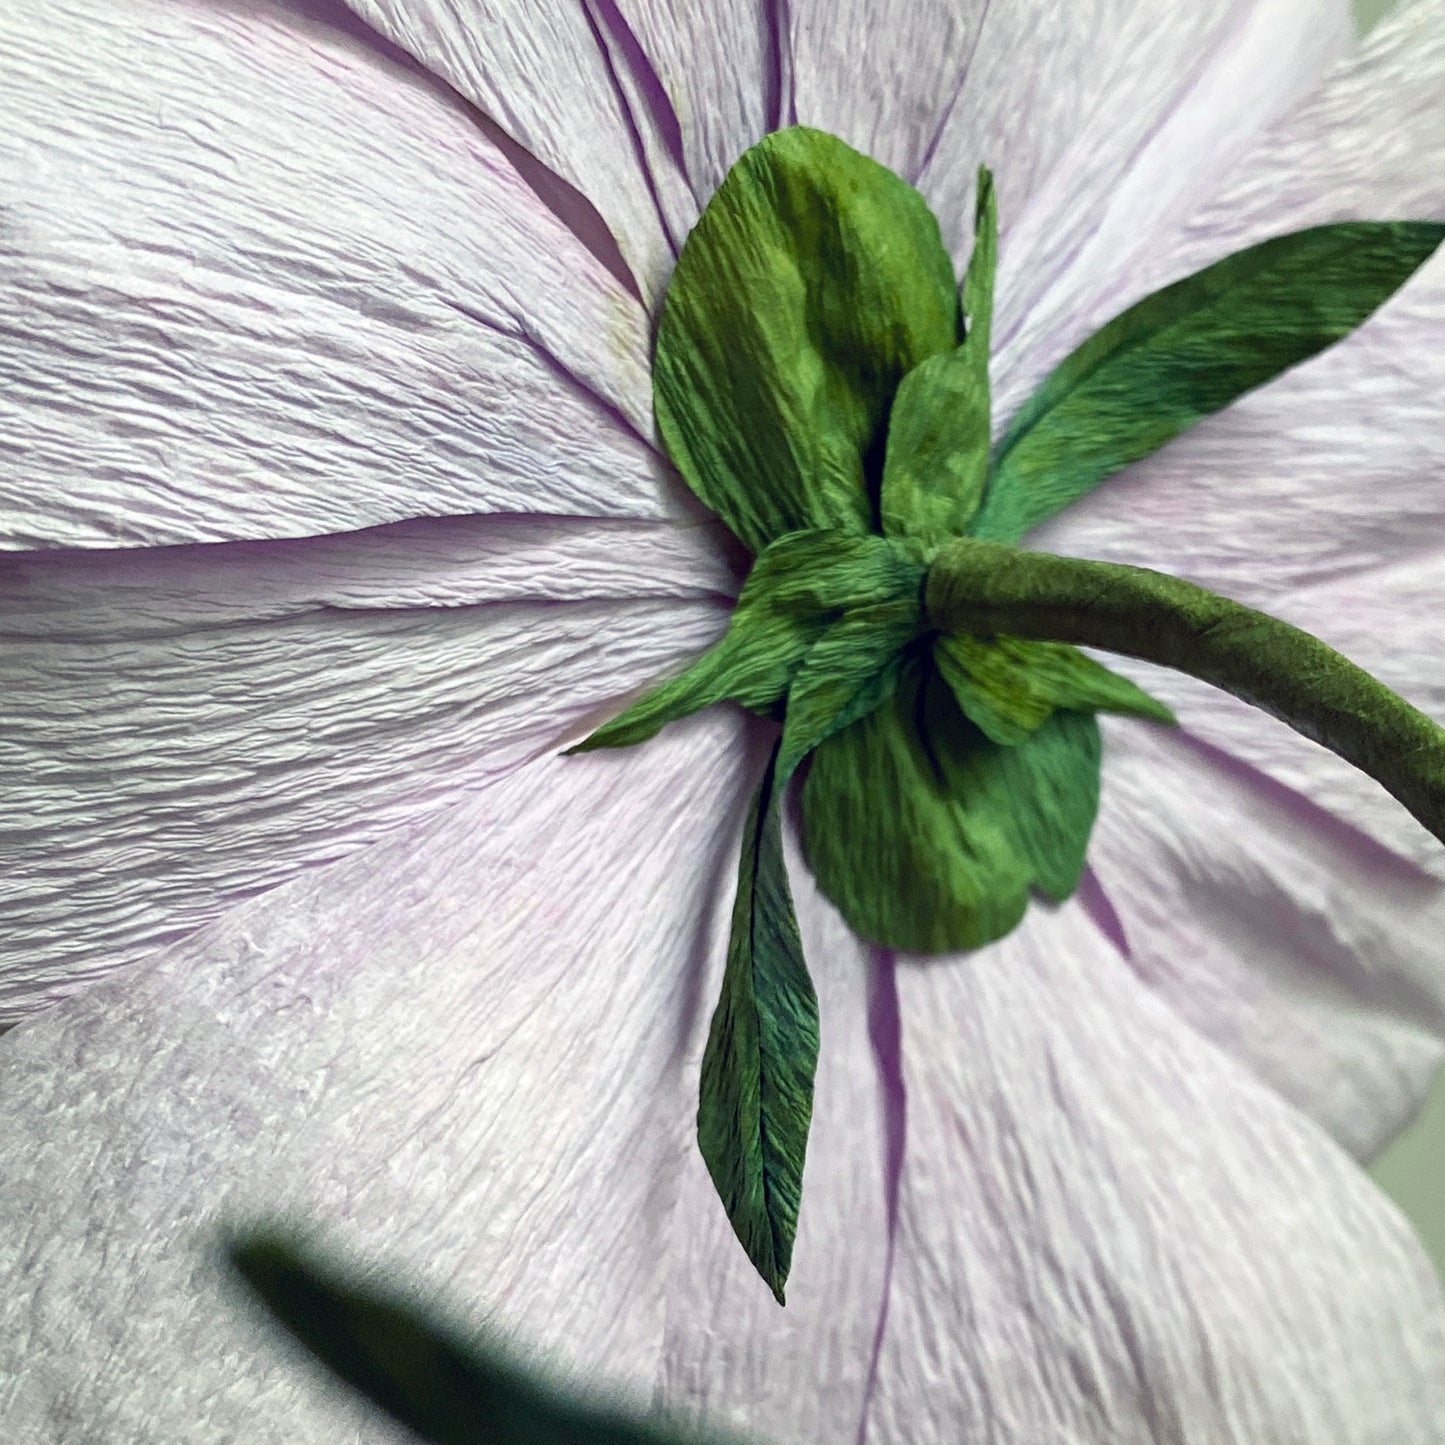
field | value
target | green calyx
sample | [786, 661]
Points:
[822, 386]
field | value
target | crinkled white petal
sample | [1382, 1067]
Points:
[258, 280]
[722, 68]
[1278, 929]
[1125, 144]
[1333, 468]
[730, 1355]
[1109, 1232]
[189, 726]
[461, 1054]
[565, 79]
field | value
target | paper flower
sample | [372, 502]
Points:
[329, 454]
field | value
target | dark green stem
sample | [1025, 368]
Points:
[989, 588]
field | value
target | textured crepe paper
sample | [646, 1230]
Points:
[979, 586]
[969, 1031]
[1187, 351]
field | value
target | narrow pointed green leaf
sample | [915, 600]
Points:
[756, 1097]
[939, 430]
[1187, 351]
[928, 836]
[422, 1374]
[1008, 686]
[798, 588]
[815, 280]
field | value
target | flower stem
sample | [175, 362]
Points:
[989, 588]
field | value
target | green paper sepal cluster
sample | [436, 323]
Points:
[821, 386]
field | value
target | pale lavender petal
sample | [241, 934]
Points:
[721, 73]
[258, 280]
[189, 726]
[565, 79]
[730, 1355]
[1272, 922]
[1113, 148]
[461, 1054]
[1110, 1234]
[1335, 467]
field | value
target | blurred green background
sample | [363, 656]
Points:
[1412, 1169]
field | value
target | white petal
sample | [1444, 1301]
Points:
[461, 1054]
[189, 726]
[730, 1355]
[722, 68]
[1334, 467]
[1073, 106]
[1279, 930]
[1109, 1233]
[563, 79]
[258, 280]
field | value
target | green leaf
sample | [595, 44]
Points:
[853, 669]
[798, 588]
[1187, 351]
[762, 1050]
[1008, 686]
[928, 836]
[938, 433]
[420, 1373]
[756, 1097]
[814, 281]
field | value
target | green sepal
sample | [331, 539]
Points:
[443, 1387]
[1008, 686]
[927, 836]
[814, 281]
[755, 1100]
[1186, 352]
[937, 454]
[798, 588]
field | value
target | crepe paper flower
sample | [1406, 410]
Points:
[337, 513]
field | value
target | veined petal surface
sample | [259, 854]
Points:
[1333, 468]
[1278, 929]
[463, 1055]
[566, 80]
[1110, 1234]
[188, 726]
[259, 280]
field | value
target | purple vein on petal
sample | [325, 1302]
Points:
[947, 113]
[1095, 901]
[559, 196]
[639, 145]
[559, 368]
[885, 1033]
[1310, 816]
[780, 106]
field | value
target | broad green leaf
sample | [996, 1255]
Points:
[756, 1096]
[814, 281]
[938, 433]
[798, 588]
[422, 1374]
[928, 836]
[1008, 686]
[1187, 351]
